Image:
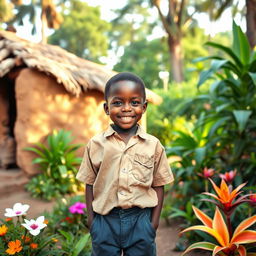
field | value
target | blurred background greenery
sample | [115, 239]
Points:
[207, 81]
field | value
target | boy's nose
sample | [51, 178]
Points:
[126, 107]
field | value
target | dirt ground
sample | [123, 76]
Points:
[166, 235]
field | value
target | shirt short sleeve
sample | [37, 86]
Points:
[87, 173]
[162, 171]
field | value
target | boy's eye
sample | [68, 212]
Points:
[135, 103]
[117, 103]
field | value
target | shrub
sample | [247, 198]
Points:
[58, 165]
[229, 240]
[25, 237]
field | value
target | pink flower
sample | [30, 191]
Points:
[252, 199]
[77, 208]
[207, 173]
[228, 176]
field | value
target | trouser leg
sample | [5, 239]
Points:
[141, 236]
[104, 234]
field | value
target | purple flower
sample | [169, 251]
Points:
[77, 208]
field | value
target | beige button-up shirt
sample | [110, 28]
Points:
[123, 175]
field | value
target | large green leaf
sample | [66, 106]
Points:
[215, 65]
[242, 117]
[68, 236]
[39, 160]
[253, 77]
[241, 45]
[185, 140]
[35, 150]
[217, 124]
[200, 245]
[227, 51]
[63, 171]
[80, 244]
[200, 155]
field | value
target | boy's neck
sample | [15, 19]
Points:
[125, 134]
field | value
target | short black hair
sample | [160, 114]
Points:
[124, 76]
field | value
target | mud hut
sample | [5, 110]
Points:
[43, 87]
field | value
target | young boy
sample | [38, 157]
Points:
[125, 170]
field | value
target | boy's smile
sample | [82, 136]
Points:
[125, 104]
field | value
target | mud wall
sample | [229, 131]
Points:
[44, 105]
[4, 119]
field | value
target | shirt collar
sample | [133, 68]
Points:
[140, 132]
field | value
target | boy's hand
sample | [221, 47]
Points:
[155, 224]
[89, 199]
[157, 210]
[89, 221]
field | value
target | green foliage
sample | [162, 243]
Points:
[82, 31]
[233, 105]
[146, 58]
[73, 245]
[221, 127]
[170, 115]
[45, 245]
[58, 164]
[132, 23]
[70, 227]
[60, 218]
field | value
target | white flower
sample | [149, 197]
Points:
[34, 226]
[18, 210]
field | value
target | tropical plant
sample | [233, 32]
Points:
[226, 197]
[58, 165]
[75, 245]
[227, 245]
[25, 237]
[68, 215]
[230, 243]
[232, 106]
[68, 220]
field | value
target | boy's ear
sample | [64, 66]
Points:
[145, 105]
[105, 106]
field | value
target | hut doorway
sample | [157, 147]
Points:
[8, 113]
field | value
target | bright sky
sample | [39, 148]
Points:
[222, 25]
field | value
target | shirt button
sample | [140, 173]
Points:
[121, 193]
[124, 170]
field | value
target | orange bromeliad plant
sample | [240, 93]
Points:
[226, 196]
[227, 199]
[228, 245]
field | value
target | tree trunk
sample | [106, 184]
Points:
[251, 22]
[44, 25]
[176, 60]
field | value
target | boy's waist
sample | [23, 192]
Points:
[118, 211]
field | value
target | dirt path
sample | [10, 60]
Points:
[166, 235]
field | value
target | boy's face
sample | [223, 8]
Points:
[125, 104]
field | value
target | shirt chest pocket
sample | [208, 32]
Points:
[142, 168]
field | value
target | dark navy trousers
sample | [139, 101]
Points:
[127, 231]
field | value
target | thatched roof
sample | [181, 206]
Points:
[76, 74]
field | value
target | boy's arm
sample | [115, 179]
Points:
[89, 199]
[157, 209]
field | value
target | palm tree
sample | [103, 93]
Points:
[50, 18]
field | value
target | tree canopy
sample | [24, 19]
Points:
[83, 32]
